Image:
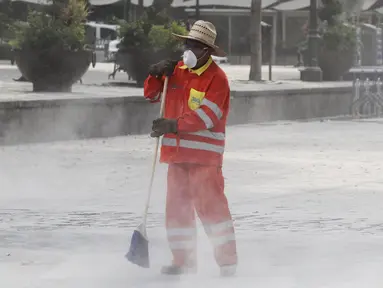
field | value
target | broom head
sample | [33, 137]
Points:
[139, 248]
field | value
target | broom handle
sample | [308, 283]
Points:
[163, 99]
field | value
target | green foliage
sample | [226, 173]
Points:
[4, 25]
[5, 20]
[336, 34]
[330, 11]
[17, 28]
[160, 36]
[153, 31]
[60, 26]
[133, 35]
[339, 37]
[158, 12]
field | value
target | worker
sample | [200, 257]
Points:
[193, 144]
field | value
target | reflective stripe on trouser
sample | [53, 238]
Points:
[222, 236]
[193, 145]
[181, 238]
[198, 188]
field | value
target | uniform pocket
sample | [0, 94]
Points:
[195, 98]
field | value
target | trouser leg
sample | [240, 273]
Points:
[212, 207]
[180, 216]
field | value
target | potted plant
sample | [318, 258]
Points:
[147, 41]
[338, 41]
[50, 50]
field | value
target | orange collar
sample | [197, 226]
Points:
[201, 69]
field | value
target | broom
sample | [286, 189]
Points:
[139, 247]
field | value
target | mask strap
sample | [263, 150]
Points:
[203, 55]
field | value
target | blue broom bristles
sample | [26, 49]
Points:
[139, 250]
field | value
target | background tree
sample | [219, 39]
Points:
[5, 18]
[256, 41]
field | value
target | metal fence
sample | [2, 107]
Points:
[368, 98]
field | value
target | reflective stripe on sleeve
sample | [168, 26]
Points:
[156, 97]
[193, 145]
[205, 118]
[213, 107]
[209, 134]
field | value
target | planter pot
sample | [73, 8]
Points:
[136, 63]
[335, 63]
[53, 71]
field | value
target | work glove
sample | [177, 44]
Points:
[163, 68]
[163, 126]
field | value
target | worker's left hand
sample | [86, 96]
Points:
[162, 126]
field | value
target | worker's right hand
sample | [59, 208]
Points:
[163, 68]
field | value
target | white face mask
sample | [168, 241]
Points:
[190, 59]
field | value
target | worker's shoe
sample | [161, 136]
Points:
[228, 270]
[178, 270]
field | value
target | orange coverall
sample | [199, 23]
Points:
[199, 100]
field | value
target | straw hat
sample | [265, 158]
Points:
[204, 32]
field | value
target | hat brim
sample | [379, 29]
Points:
[216, 50]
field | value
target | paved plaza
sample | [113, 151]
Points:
[306, 199]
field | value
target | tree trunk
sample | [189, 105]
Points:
[256, 41]
[127, 10]
[197, 10]
[140, 8]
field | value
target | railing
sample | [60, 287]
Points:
[368, 98]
